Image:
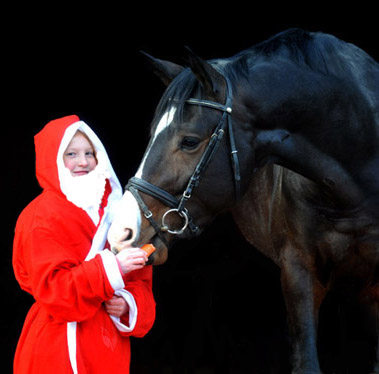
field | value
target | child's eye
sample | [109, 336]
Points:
[70, 154]
[90, 154]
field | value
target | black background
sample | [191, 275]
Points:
[219, 304]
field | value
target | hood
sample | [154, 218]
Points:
[50, 144]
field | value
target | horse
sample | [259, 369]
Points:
[284, 135]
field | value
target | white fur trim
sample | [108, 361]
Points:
[128, 297]
[71, 341]
[112, 270]
[100, 238]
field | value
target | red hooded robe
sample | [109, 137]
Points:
[59, 258]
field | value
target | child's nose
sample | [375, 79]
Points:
[83, 161]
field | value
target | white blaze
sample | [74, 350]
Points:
[164, 122]
[128, 215]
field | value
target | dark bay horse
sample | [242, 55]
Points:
[285, 135]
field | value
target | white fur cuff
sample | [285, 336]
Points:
[112, 270]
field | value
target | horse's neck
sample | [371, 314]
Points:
[276, 206]
[302, 118]
[305, 159]
[352, 186]
[260, 215]
[328, 146]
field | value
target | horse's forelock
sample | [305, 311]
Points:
[175, 95]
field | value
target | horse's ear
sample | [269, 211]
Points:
[211, 80]
[165, 70]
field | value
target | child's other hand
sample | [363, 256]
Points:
[116, 306]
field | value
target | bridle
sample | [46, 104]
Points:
[136, 185]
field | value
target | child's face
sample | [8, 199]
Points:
[79, 156]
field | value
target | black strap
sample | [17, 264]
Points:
[136, 184]
[235, 161]
[147, 213]
[154, 191]
[204, 161]
[209, 104]
[226, 120]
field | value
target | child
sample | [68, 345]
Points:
[87, 300]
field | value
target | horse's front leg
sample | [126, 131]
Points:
[303, 299]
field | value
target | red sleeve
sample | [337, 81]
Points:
[139, 284]
[52, 239]
[68, 289]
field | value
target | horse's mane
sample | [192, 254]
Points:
[322, 53]
[294, 43]
[317, 51]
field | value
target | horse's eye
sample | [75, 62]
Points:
[189, 143]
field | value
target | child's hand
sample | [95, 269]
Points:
[116, 306]
[131, 258]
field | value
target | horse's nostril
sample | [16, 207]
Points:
[128, 235]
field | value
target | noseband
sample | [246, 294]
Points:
[136, 185]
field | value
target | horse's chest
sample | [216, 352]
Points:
[349, 257]
[334, 246]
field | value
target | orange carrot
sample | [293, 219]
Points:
[148, 248]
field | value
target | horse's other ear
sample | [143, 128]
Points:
[211, 80]
[165, 70]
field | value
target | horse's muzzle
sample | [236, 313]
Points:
[126, 226]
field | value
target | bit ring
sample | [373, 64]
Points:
[184, 217]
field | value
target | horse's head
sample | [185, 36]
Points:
[186, 176]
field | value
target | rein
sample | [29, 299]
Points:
[136, 185]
